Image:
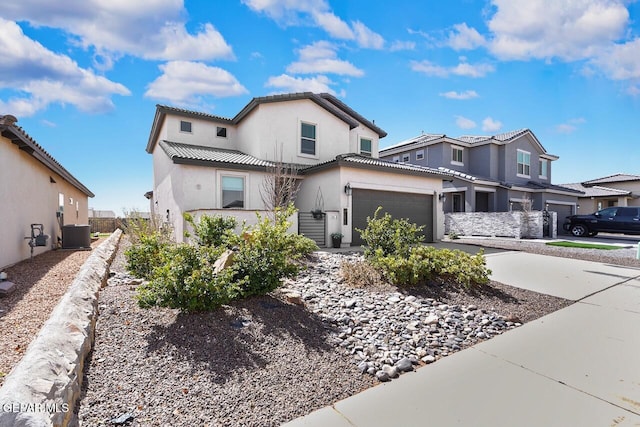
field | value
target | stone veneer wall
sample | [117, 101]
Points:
[517, 224]
[44, 387]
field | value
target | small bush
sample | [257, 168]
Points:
[186, 280]
[360, 274]
[389, 235]
[427, 263]
[135, 226]
[216, 230]
[145, 255]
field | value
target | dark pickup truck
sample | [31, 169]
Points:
[625, 220]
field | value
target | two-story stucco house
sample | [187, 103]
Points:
[41, 191]
[204, 163]
[491, 173]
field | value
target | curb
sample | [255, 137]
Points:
[44, 387]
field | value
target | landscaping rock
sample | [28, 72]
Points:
[6, 287]
[225, 260]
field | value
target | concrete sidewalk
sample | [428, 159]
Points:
[578, 366]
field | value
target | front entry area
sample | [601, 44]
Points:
[417, 208]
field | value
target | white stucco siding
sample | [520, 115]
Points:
[203, 132]
[31, 198]
[363, 132]
[279, 124]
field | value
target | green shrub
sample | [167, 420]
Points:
[145, 255]
[184, 276]
[389, 235]
[267, 253]
[186, 280]
[428, 263]
[216, 230]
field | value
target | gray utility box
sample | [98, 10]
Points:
[76, 236]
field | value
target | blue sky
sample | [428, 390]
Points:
[84, 76]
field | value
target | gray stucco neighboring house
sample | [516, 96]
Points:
[496, 173]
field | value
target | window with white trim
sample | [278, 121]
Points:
[406, 157]
[419, 154]
[308, 139]
[544, 168]
[396, 159]
[185, 126]
[365, 147]
[232, 191]
[524, 164]
[456, 155]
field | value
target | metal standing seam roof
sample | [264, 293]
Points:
[25, 142]
[619, 177]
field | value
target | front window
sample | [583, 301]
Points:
[420, 155]
[308, 139]
[406, 157]
[185, 126]
[524, 163]
[232, 192]
[456, 156]
[544, 168]
[396, 159]
[221, 132]
[365, 147]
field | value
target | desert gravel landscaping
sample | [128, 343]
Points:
[39, 285]
[267, 360]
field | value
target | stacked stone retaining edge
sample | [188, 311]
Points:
[43, 388]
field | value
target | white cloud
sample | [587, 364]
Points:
[402, 45]
[465, 123]
[570, 126]
[464, 37]
[621, 61]
[544, 29]
[367, 38]
[321, 57]
[116, 28]
[186, 83]
[467, 94]
[46, 77]
[490, 125]
[462, 69]
[302, 12]
[286, 84]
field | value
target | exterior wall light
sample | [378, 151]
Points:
[347, 189]
[442, 197]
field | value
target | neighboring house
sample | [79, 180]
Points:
[490, 173]
[42, 191]
[614, 190]
[204, 163]
[94, 213]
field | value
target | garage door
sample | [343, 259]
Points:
[416, 208]
[563, 211]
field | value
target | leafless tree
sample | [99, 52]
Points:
[281, 185]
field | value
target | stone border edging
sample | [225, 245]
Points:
[44, 387]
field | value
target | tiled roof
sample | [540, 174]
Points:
[597, 190]
[544, 186]
[370, 162]
[18, 136]
[502, 137]
[196, 153]
[619, 177]
[191, 113]
[468, 177]
[420, 139]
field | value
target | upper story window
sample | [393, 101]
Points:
[406, 157]
[221, 132]
[396, 159]
[524, 164]
[185, 126]
[419, 154]
[232, 191]
[308, 139]
[456, 155]
[544, 169]
[365, 147]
